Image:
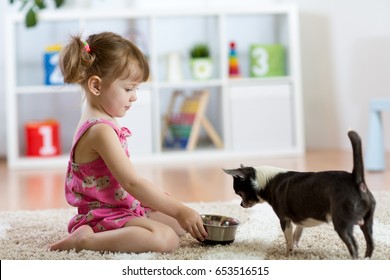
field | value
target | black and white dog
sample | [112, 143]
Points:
[311, 198]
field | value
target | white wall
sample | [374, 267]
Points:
[2, 86]
[345, 62]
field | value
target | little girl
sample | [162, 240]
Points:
[118, 210]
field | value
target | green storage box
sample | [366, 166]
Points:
[267, 60]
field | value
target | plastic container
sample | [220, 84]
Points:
[53, 75]
[42, 138]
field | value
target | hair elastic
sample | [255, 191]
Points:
[86, 46]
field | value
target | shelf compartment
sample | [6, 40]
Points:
[171, 105]
[262, 29]
[64, 108]
[193, 29]
[30, 60]
[261, 117]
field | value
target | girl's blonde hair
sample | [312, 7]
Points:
[110, 56]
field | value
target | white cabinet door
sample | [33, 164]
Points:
[261, 118]
[139, 121]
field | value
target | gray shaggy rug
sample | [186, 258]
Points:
[25, 235]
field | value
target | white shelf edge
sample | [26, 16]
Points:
[36, 89]
[133, 12]
[260, 81]
[180, 84]
[46, 89]
[190, 83]
[39, 162]
[202, 156]
[170, 158]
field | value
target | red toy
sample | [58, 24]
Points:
[234, 70]
[42, 138]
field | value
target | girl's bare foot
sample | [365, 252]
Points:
[73, 240]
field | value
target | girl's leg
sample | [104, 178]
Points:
[138, 235]
[167, 220]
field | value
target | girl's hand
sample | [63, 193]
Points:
[192, 223]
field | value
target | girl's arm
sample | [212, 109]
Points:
[106, 144]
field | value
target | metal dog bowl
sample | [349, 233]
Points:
[220, 229]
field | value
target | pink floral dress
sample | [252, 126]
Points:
[101, 201]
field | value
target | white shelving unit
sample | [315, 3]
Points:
[254, 116]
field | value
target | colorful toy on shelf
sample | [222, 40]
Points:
[180, 126]
[234, 69]
[185, 126]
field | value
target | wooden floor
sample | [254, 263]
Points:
[189, 182]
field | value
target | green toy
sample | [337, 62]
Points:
[267, 60]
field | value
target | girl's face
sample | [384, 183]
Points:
[117, 98]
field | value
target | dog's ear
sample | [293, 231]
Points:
[242, 166]
[235, 172]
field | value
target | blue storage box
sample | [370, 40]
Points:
[53, 75]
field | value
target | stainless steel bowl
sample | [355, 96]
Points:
[220, 229]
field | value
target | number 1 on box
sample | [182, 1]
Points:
[47, 148]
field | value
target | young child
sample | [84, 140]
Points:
[118, 210]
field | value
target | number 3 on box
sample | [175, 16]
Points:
[261, 66]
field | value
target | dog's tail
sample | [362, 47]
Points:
[358, 165]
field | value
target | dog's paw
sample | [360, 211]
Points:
[289, 252]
